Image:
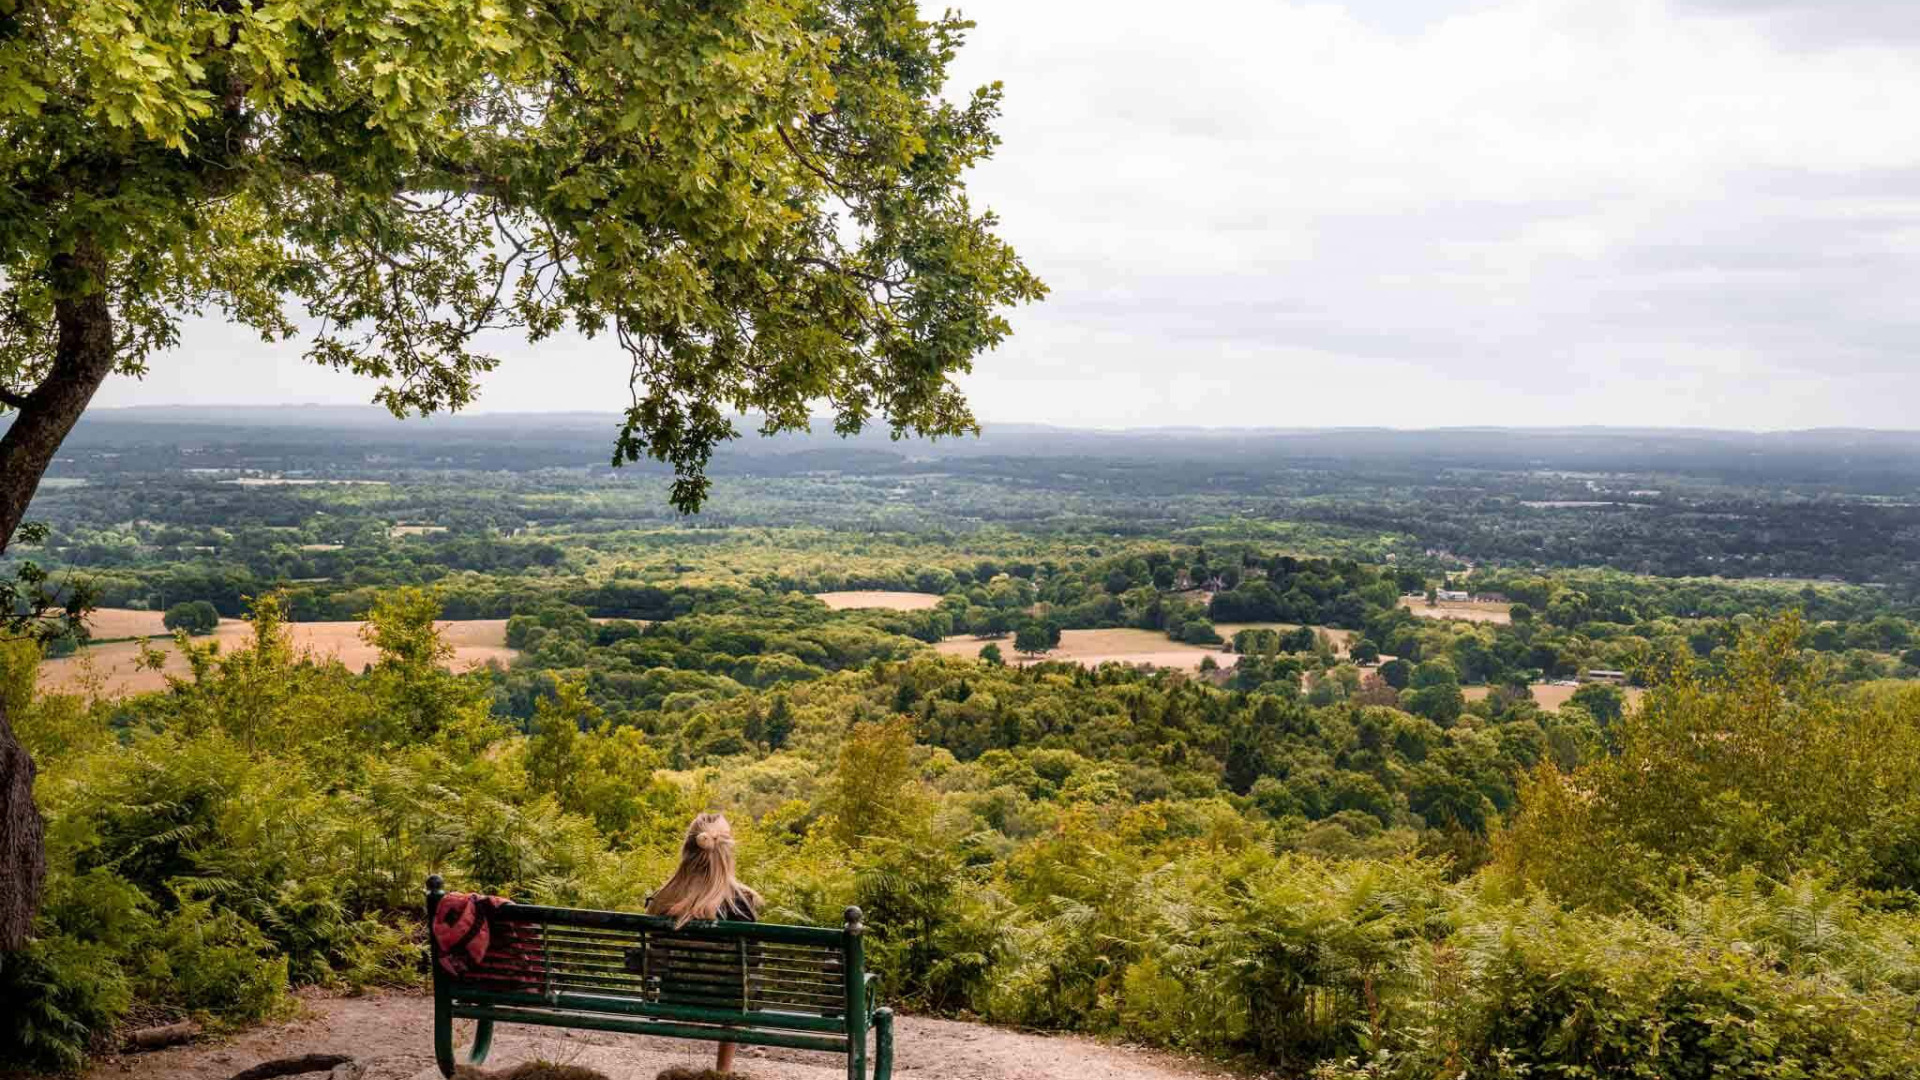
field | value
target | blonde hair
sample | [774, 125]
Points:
[703, 885]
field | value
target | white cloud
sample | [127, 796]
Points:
[1583, 212]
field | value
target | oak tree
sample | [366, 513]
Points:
[758, 204]
[1031, 639]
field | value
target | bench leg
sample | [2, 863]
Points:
[882, 1044]
[482, 1042]
[442, 1035]
[443, 1042]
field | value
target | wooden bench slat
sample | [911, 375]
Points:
[620, 920]
[729, 981]
[800, 954]
[719, 988]
[625, 1025]
[825, 972]
[619, 940]
[710, 1003]
[588, 1000]
[719, 1000]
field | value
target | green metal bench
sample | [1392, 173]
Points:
[764, 984]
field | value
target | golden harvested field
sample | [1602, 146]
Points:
[877, 598]
[123, 623]
[1227, 629]
[1095, 647]
[115, 666]
[1470, 610]
[1550, 696]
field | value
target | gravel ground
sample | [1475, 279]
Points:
[392, 1036]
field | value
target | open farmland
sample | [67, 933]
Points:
[878, 598]
[106, 624]
[1340, 638]
[113, 670]
[1095, 647]
[1550, 696]
[1470, 610]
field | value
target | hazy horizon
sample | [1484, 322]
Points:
[612, 416]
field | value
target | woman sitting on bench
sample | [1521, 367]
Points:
[703, 887]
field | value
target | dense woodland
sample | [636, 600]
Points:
[1819, 506]
[1344, 860]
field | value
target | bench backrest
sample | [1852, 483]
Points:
[750, 975]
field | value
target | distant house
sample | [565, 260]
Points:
[1456, 595]
[1606, 675]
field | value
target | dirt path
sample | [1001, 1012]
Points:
[393, 1036]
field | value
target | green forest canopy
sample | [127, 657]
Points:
[1237, 872]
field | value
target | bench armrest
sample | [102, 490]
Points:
[873, 993]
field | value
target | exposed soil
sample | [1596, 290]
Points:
[392, 1036]
[112, 669]
[1340, 638]
[878, 598]
[1550, 696]
[1470, 610]
[109, 623]
[1095, 647]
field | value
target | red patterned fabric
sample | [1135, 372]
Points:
[473, 945]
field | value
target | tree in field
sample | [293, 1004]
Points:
[990, 655]
[193, 616]
[758, 204]
[1199, 632]
[1300, 639]
[1606, 703]
[1031, 639]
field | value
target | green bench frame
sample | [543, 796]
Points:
[760, 984]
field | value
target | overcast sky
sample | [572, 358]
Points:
[1403, 212]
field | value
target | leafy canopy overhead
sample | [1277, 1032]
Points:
[761, 201]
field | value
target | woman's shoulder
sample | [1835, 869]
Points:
[742, 906]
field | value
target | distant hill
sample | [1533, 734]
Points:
[275, 437]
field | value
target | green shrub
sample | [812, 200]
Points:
[62, 995]
[215, 962]
[193, 616]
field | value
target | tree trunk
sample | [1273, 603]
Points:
[23, 858]
[83, 357]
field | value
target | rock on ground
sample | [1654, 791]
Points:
[392, 1036]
